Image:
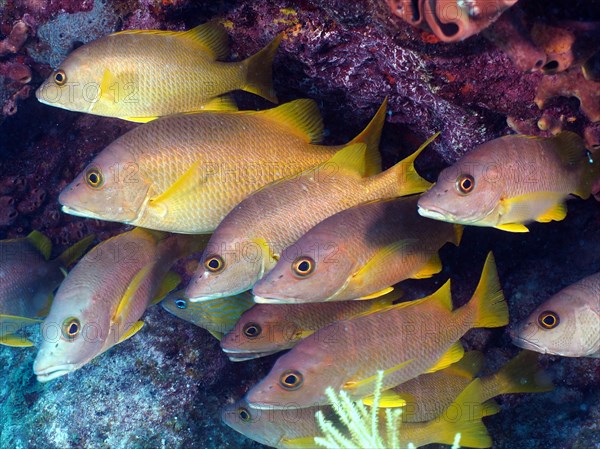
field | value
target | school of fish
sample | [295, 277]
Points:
[300, 246]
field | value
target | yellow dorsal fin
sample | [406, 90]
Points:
[131, 331]
[349, 159]
[390, 399]
[522, 374]
[453, 355]
[570, 147]
[443, 296]
[458, 233]
[433, 266]
[381, 261]
[122, 310]
[178, 196]
[15, 341]
[40, 242]
[353, 385]
[468, 366]
[169, 283]
[409, 181]
[490, 307]
[301, 117]
[71, 254]
[557, 212]
[371, 136]
[211, 36]
[512, 227]
[259, 73]
[378, 294]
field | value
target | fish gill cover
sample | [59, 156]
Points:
[166, 386]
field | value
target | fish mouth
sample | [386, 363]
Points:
[208, 298]
[53, 372]
[241, 355]
[268, 406]
[527, 344]
[83, 214]
[268, 300]
[435, 213]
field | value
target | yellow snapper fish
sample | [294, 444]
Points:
[218, 316]
[358, 254]
[184, 173]
[567, 324]
[296, 428]
[139, 75]
[250, 240]
[100, 302]
[511, 181]
[404, 341]
[427, 396]
[29, 279]
[269, 328]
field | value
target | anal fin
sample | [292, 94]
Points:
[432, 267]
[15, 341]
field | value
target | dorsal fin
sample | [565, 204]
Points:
[371, 136]
[211, 36]
[41, 243]
[302, 117]
[443, 296]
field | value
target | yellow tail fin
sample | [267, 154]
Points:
[371, 136]
[491, 309]
[409, 181]
[522, 374]
[259, 71]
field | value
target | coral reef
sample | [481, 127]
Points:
[166, 385]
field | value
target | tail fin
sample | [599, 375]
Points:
[521, 375]
[467, 422]
[371, 136]
[409, 181]
[259, 71]
[70, 255]
[491, 309]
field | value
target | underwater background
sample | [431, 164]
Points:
[166, 386]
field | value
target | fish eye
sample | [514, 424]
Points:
[60, 77]
[214, 263]
[244, 414]
[252, 330]
[303, 266]
[94, 178]
[70, 328]
[181, 304]
[291, 380]
[548, 319]
[465, 184]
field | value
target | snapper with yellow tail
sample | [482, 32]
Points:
[404, 341]
[100, 302]
[253, 236]
[139, 75]
[511, 181]
[185, 173]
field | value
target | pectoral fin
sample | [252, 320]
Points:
[169, 283]
[354, 385]
[221, 103]
[179, 196]
[122, 310]
[132, 331]
[390, 399]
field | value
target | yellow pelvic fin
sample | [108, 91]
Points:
[371, 136]
[169, 283]
[353, 385]
[380, 262]
[221, 103]
[179, 195]
[522, 374]
[453, 355]
[431, 267]
[458, 233]
[122, 310]
[299, 443]
[390, 399]
[378, 294]
[211, 36]
[512, 227]
[409, 181]
[557, 212]
[131, 331]
[70, 255]
[15, 341]
[488, 299]
[570, 147]
[41, 243]
[301, 117]
[468, 366]
[259, 71]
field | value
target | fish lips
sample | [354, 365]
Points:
[53, 372]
